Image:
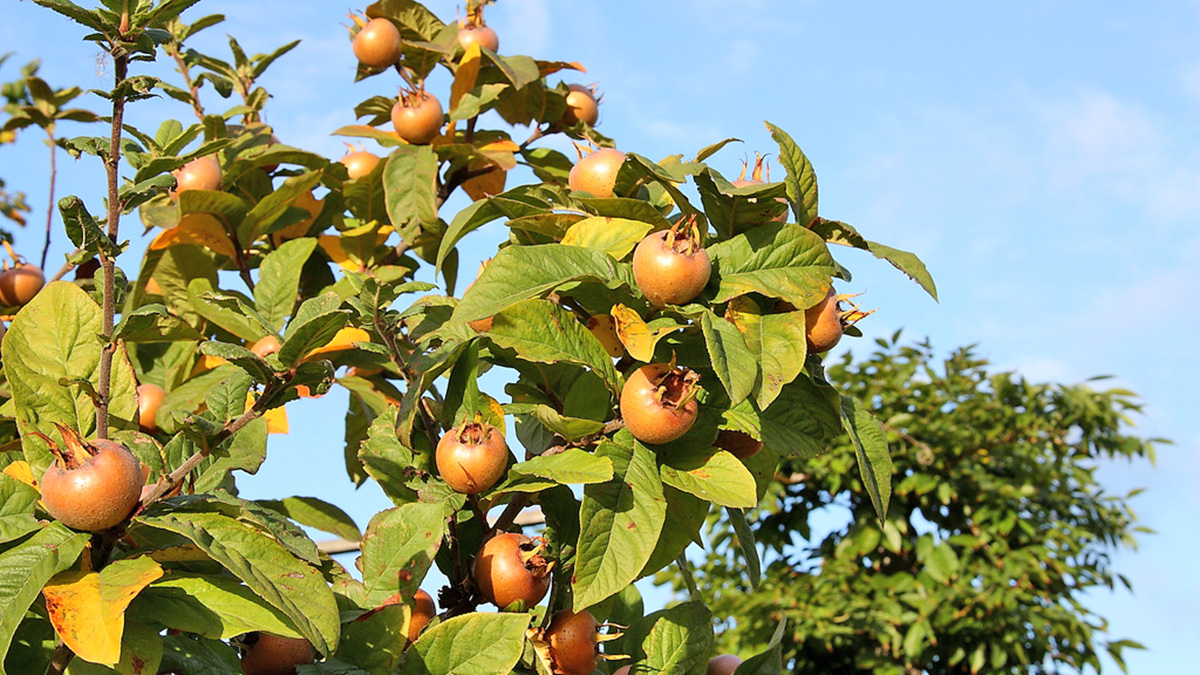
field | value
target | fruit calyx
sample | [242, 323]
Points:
[684, 236]
[676, 387]
[77, 452]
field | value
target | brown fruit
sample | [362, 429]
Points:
[274, 655]
[359, 163]
[574, 649]
[265, 346]
[739, 443]
[823, 324]
[485, 324]
[582, 106]
[724, 664]
[596, 173]
[19, 284]
[423, 612]
[202, 173]
[605, 330]
[658, 402]
[417, 117]
[149, 396]
[478, 34]
[472, 457]
[670, 267]
[510, 569]
[92, 485]
[377, 45]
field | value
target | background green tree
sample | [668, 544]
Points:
[996, 532]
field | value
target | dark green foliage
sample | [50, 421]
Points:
[997, 528]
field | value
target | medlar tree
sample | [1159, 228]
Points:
[274, 273]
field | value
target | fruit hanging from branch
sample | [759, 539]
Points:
[202, 173]
[472, 457]
[417, 116]
[583, 105]
[377, 43]
[671, 267]
[92, 485]
[596, 172]
[275, 655]
[510, 570]
[658, 402]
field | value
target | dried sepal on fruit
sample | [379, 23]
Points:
[658, 402]
[92, 485]
[671, 267]
[510, 571]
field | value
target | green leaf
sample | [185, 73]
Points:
[680, 641]
[620, 522]
[83, 230]
[745, 540]
[522, 272]
[801, 422]
[274, 205]
[315, 324]
[712, 475]
[210, 605]
[614, 236]
[466, 221]
[540, 331]
[374, 642]
[279, 280]
[731, 359]
[496, 642]
[770, 661]
[838, 232]
[93, 20]
[198, 656]
[801, 179]
[572, 467]
[263, 563]
[201, 294]
[27, 567]
[16, 509]
[776, 341]
[777, 260]
[154, 323]
[871, 451]
[53, 340]
[398, 549]
[410, 183]
[316, 513]
[227, 400]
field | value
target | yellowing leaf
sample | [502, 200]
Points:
[184, 553]
[21, 471]
[88, 608]
[344, 339]
[206, 363]
[466, 75]
[487, 185]
[633, 332]
[332, 245]
[201, 229]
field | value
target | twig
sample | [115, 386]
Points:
[50, 201]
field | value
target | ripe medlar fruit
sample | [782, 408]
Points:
[149, 396]
[19, 284]
[658, 402]
[724, 664]
[596, 173]
[417, 117]
[472, 457]
[359, 163]
[574, 648]
[377, 45]
[274, 655]
[510, 569]
[92, 485]
[670, 267]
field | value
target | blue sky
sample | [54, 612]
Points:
[1042, 158]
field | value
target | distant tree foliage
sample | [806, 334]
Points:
[996, 531]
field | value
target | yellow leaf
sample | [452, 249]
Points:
[332, 245]
[21, 471]
[201, 229]
[637, 337]
[88, 608]
[277, 421]
[206, 363]
[466, 75]
[344, 339]
[486, 185]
